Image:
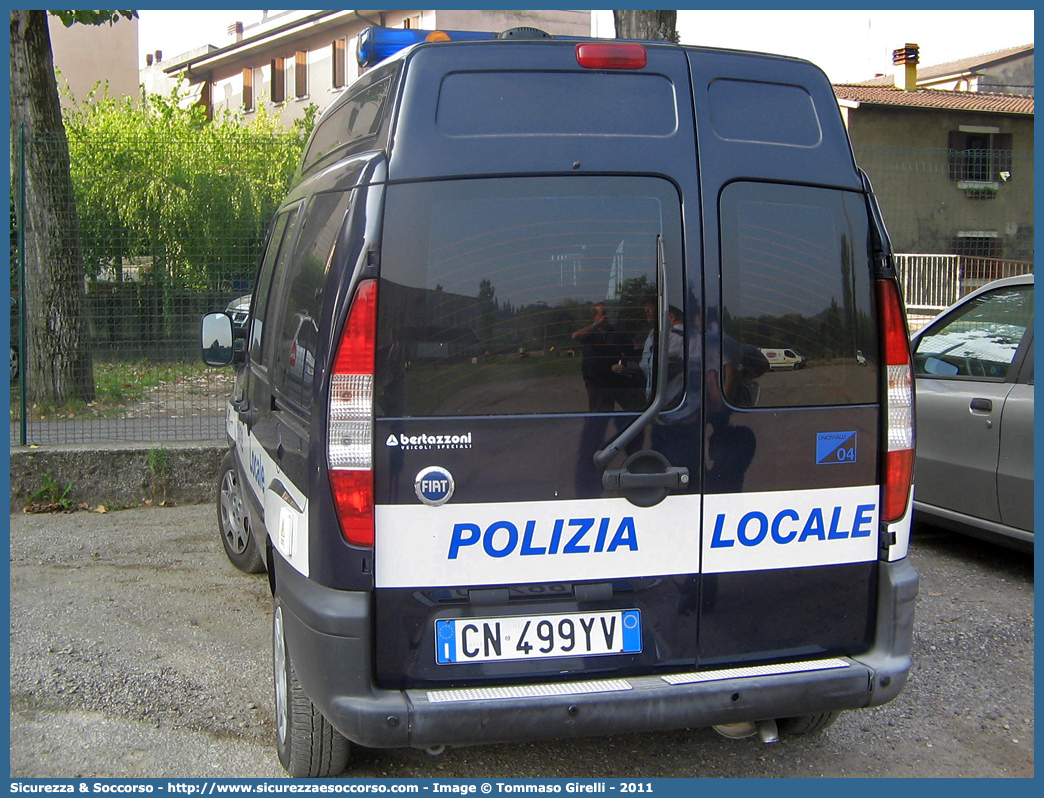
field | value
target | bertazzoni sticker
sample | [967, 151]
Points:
[427, 442]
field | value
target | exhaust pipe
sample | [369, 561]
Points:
[766, 730]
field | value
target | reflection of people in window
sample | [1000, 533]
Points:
[601, 348]
[675, 354]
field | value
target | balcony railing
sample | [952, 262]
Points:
[931, 283]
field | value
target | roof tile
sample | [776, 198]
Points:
[936, 98]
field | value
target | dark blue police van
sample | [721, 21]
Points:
[502, 435]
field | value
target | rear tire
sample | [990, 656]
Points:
[233, 521]
[807, 724]
[308, 746]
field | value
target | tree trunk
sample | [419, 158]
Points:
[58, 360]
[644, 24]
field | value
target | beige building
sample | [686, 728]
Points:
[86, 55]
[289, 61]
[953, 169]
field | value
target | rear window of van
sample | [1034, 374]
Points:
[485, 282]
[796, 276]
[556, 104]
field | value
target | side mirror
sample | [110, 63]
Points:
[215, 339]
[933, 365]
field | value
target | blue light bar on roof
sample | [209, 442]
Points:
[377, 44]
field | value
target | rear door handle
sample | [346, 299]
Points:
[981, 406]
[646, 478]
[623, 480]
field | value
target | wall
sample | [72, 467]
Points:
[1013, 77]
[86, 54]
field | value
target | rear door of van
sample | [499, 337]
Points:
[499, 551]
[528, 241]
[791, 505]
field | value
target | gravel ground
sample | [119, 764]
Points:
[138, 651]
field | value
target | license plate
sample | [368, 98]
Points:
[581, 634]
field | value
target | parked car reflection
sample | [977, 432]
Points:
[973, 369]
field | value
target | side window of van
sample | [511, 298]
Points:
[302, 286]
[521, 296]
[795, 265]
[278, 246]
[359, 118]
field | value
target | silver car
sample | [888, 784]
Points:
[239, 310]
[973, 368]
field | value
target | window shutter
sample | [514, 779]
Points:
[301, 74]
[958, 144]
[1002, 154]
[338, 63]
[206, 99]
[278, 81]
[248, 89]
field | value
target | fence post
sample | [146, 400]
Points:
[23, 412]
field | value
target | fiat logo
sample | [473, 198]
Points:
[434, 486]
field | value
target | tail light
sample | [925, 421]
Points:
[897, 479]
[611, 55]
[349, 440]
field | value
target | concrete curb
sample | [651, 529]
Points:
[116, 475]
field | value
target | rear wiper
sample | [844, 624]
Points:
[603, 457]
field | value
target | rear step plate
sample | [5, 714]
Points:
[516, 637]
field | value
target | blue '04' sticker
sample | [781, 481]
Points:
[835, 447]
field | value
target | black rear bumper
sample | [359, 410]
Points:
[328, 635]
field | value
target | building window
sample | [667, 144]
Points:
[411, 23]
[977, 244]
[248, 89]
[980, 252]
[979, 154]
[278, 81]
[337, 57]
[301, 74]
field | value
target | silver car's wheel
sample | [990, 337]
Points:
[233, 521]
[308, 746]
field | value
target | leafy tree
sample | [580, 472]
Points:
[59, 360]
[646, 24]
[190, 198]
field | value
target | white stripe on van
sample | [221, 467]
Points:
[577, 540]
[286, 521]
[515, 542]
[790, 529]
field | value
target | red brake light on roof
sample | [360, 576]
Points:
[611, 55]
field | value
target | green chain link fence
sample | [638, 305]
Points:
[168, 233]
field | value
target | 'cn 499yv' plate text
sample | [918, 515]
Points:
[537, 636]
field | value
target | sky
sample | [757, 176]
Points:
[847, 45]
